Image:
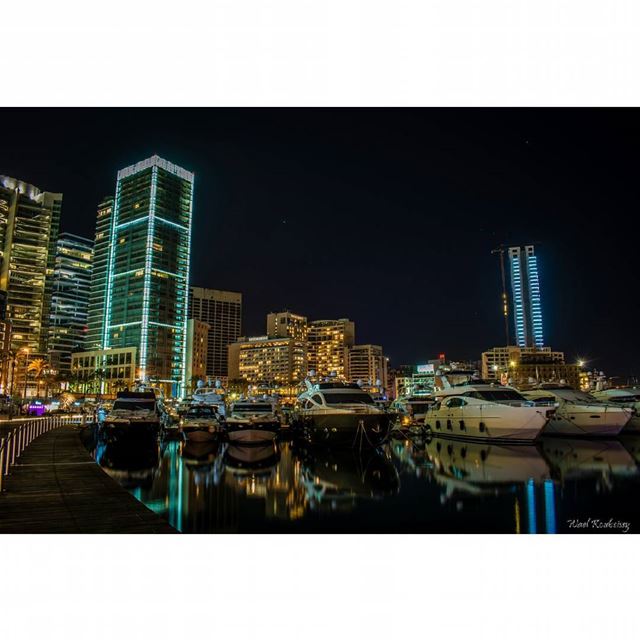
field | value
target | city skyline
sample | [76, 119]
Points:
[399, 297]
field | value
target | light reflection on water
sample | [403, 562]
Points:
[407, 486]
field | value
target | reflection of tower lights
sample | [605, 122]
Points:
[531, 505]
[550, 506]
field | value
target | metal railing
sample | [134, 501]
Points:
[19, 438]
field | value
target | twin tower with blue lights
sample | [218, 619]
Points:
[525, 295]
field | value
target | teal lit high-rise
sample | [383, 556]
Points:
[147, 278]
[525, 293]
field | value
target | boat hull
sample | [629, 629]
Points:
[249, 432]
[507, 425]
[585, 427]
[200, 435]
[346, 429]
[633, 426]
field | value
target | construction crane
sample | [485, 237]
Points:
[505, 302]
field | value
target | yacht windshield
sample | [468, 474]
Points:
[134, 404]
[348, 398]
[253, 408]
[575, 396]
[497, 395]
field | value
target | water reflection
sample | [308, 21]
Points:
[602, 460]
[409, 485]
[335, 479]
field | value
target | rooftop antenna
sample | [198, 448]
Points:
[505, 302]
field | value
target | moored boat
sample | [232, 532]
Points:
[629, 398]
[201, 423]
[252, 422]
[578, 413]
[486, 412]
[342, 414]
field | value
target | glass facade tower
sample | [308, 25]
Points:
[69, 299]
[525, 292]
[147, 280]
[98, 293]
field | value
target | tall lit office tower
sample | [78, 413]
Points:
[368, 365]
[29, 223]
[525, 291]
[328, 347]
[222, 311]
[148, 270]
[98, 293]
[286, 324]
[69, 299]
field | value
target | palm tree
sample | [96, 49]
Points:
[37, 367]
[98, 375]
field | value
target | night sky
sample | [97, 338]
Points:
[385, 216]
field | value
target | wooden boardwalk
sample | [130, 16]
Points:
[57, 487]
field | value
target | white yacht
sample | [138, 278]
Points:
[486, 411]
[339, 413]
[253, 421]
[578, 413]
[629, 398]
[213, 396]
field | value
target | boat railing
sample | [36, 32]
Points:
[22, 435]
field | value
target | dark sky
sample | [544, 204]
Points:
[385, 216]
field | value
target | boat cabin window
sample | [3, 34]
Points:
[496, 395]
[253, 407]
[621, 399]
[348, 398]
[201, 412]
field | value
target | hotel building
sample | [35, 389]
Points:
[368, 366]
[285, 323]
[274, 365]
[525, 292]
[222, 311]
[69, 299]
[523, 365]
[329, 342]
[147, 281]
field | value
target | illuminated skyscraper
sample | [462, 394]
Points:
[285, 323]
[222, 311]
[98, 293]
[328, 347]
[148, 269]
[29, 223]
[69, 299]
[525, 292]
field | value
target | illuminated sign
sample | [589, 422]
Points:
[424, 368]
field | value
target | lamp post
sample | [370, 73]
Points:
[26, 366]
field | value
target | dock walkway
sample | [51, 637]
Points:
[57, 487]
